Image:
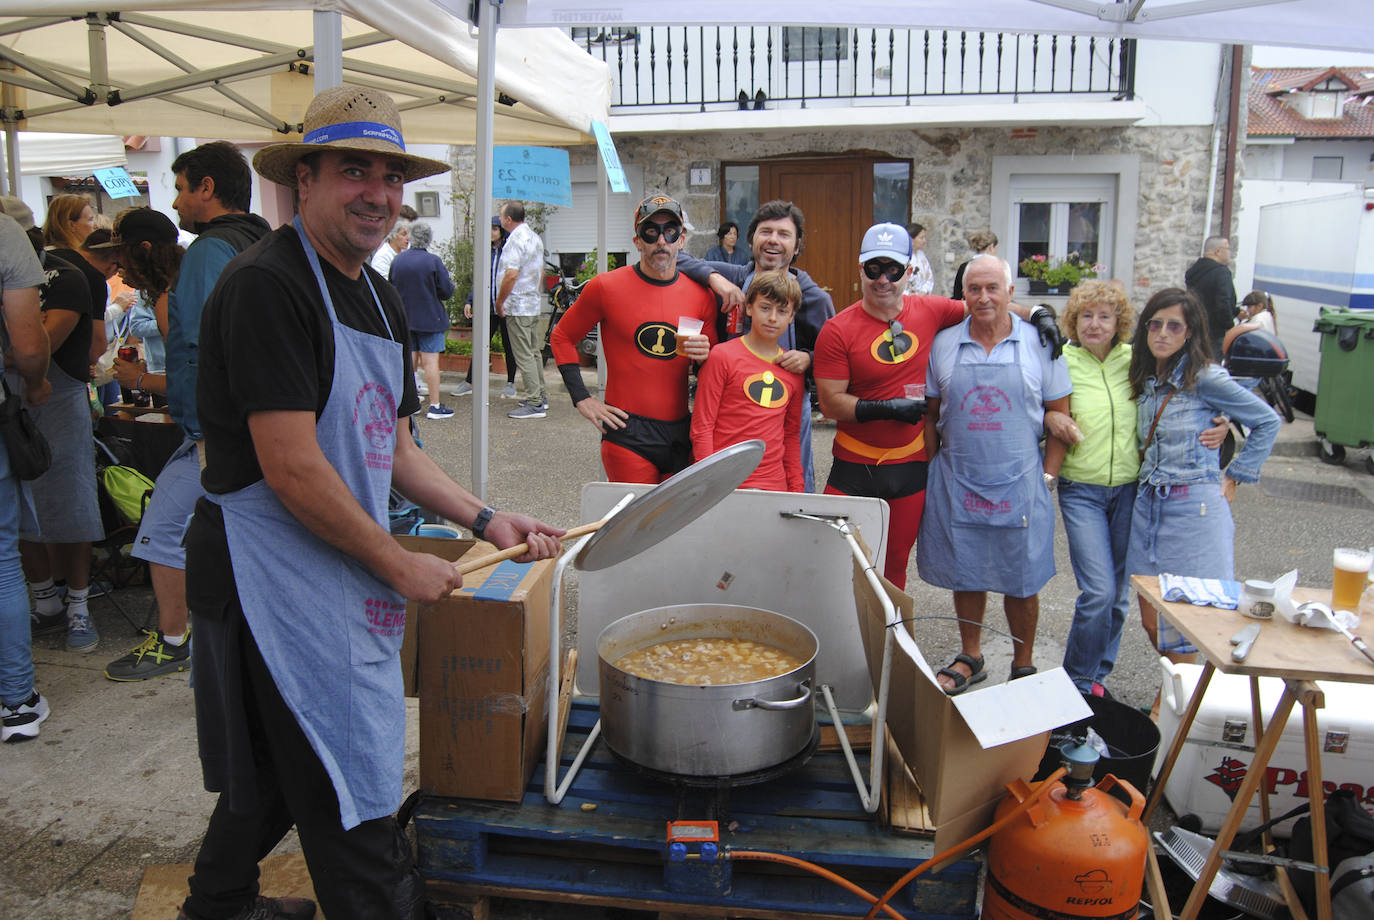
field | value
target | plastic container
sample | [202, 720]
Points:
[1257, 599]
[1214, 761]
[1132, 740]
[1345, 383]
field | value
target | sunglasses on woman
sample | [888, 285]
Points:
[651, 231]
[877, 267]
[1174, 326]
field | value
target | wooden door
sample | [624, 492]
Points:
[836, 198]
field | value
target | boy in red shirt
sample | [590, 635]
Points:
[743, 394]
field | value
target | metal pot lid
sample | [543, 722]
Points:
[670, 506]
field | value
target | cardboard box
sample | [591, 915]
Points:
[451, 550]
[482, 658]
[962, 750]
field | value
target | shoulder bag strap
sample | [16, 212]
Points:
[1155, 424]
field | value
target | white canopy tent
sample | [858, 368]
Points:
[43, 154]
[243, 70]
[1336, 24]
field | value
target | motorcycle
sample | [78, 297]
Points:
[563, 291]
[1259, 356]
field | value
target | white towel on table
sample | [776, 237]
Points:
[1203, 592]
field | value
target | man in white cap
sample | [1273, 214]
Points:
[866, 357]
[296, 589]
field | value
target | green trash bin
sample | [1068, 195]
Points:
[1345, 383]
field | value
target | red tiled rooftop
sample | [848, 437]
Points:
[1272, 116]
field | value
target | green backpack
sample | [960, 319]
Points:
[128, 489]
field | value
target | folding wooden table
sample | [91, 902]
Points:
[1299, 655]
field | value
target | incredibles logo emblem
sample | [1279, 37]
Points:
[766, 390]
[893, 349]
[657, 340]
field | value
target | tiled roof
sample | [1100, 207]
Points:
[1272, 116]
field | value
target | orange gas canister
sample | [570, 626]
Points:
[1077, 853]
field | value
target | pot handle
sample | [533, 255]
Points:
[776, 705]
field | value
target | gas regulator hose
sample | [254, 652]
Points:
[938, 858]
[823, 872]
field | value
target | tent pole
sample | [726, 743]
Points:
[11, 140]
[328, 50]
[603, 208]
[485, 14]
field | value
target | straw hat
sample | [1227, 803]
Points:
[345, 118]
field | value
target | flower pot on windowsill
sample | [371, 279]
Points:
[1042, 287]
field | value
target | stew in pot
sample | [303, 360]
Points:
[707, 662]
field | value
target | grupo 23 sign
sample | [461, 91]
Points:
[532, 174]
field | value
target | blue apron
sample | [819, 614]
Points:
[329, 630]
[989, 521]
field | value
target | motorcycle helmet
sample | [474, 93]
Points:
[1256, 354]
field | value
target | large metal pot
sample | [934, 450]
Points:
[719, 730]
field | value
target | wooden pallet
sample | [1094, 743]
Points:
[605, 845]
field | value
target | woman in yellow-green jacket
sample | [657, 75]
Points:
[1095, 454]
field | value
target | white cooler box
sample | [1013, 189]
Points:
[1210, 767]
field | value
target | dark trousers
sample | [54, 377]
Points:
[498, 324]
[366, 872]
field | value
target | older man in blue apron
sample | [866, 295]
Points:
[989, 521]
[296, 588]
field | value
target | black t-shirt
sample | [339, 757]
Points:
[65, 289]
[266, 345]
[95, 281]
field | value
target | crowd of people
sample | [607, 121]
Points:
[290, 365]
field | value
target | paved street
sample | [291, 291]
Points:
[113, 783]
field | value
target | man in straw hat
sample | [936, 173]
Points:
[297, 590]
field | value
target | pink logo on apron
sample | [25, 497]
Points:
[384, 617]
[375, 408]
[982, 404]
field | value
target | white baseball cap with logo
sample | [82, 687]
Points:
[886, 241]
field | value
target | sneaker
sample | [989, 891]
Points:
[153, 658]
[525, 410]
[508, 392]
[99, 587]
[81, 633]
[422, 389]
[45, 624]
[462, 389]
[439, 411]
[21, 723]
[263, 908]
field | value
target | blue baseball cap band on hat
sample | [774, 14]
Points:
[350, 129]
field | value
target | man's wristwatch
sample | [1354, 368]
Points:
[1051, 481]
[479, 524]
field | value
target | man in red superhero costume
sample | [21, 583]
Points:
[644, 423]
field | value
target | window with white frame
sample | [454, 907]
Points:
[1053, 215]
[1328, 167]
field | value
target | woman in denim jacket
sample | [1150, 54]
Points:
[1182, 519]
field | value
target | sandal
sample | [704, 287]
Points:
[962, 683]
[1025, 670]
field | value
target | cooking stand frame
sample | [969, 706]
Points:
[870, 793]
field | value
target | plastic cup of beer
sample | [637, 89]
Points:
[687, 325]
[1350, 576]
[915, 390]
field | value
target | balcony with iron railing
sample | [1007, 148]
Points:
[702, 69]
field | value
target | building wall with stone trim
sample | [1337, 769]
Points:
[951, 177]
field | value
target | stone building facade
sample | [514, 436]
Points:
[952, 181]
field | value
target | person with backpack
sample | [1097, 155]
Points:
[214, 185]
[24, 342]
